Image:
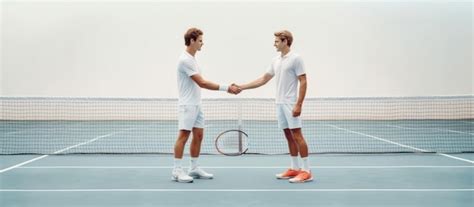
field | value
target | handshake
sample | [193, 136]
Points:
[234, 89]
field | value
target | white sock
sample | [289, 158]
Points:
[177, 162]
[305, 164]
[194, 162]
[294, 163]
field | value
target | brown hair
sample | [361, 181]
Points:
[285, 35]
[192, 33]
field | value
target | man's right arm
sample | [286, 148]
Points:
[213, 86]
[204, 83]
[258, 82]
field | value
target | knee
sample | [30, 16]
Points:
[182, 140]
[290, 138]
[299, 140]
[288, 134]
[297, 136]
[198, 135]
[198, 138]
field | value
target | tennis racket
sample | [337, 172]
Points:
[232, 142]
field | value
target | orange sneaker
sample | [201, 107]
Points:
[290, 173]
[302, 177]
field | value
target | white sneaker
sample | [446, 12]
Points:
[179, 175]
[199, 173]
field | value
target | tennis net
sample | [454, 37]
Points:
[48, 125]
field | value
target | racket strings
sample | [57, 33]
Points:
[232, 142]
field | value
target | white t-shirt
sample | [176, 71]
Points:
[286, 70]
[189, 91]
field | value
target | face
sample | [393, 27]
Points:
[197, 44]
[279, 45]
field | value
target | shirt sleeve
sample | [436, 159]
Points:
[188, 68]
[271, 70]
[299, 66]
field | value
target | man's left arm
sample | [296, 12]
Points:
[301, 95]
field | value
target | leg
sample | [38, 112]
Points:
[195, 149]
[292, 144]
[295, 124]
[183, 136]
[300, 141]
[305, 175]
[187, 117]
[178, 173]
[198, 133]
[195, 171]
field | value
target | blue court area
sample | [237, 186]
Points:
[128, 163]
[144, 180]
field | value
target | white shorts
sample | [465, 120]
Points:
[190, 116]
[285, 117]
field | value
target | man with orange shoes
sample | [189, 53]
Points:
[288, 69]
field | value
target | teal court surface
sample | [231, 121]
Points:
[144, 180]
[71, 164]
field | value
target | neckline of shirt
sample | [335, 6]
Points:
[287, 54]
[187, 53]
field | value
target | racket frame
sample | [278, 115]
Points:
[241, 150]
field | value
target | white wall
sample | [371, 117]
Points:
[130, 48]
[1, 49]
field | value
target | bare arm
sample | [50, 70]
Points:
[212, 86]
[204, 83]
[257, 83]
[301, 95]
[302, 91]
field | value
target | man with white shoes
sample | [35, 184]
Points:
[191, 118]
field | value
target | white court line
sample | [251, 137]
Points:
[59, 151]
[401, 145]
[442, 130]
[247, 167]
[23, 163]
[246, 190]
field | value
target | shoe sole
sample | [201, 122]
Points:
[302, 181]
[285, 178]
[200, 177]
[180, 181]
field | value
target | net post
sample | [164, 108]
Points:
[239, 115]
